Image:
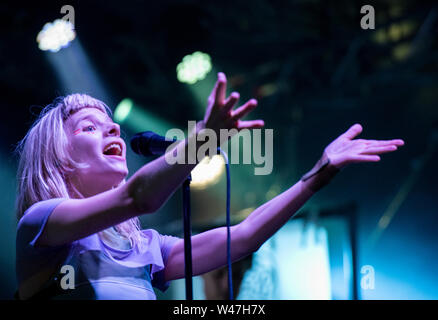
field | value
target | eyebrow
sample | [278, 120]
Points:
[90, 117]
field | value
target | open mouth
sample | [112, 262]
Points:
[113, 149]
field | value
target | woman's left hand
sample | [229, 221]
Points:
[344, 150]
[220, 113]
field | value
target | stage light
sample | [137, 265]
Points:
[56, 35]
[137, 118]
[207, 172]
[266, 90]
[122, 110]
[194, 67]
[395, 32]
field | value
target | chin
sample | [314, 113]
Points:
[120, 176]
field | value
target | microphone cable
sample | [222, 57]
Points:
[230, 278]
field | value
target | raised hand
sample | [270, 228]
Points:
[220, 113]
[344, 150]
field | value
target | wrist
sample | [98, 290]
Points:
[320, 175]
[194, 141]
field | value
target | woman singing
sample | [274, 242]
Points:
[77, 212]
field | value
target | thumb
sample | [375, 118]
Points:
[354, 131]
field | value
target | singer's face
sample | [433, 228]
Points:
[94, 139]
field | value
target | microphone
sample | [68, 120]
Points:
[149, 143]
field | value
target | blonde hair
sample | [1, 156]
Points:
[44, 160]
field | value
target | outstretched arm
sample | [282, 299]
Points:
[150, 187]
[209, 248]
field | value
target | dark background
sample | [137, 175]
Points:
[325, 74]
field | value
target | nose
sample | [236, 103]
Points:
[113, 130]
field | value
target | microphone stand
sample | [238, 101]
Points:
[187, 238]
